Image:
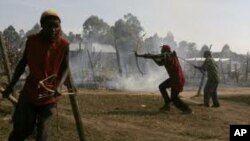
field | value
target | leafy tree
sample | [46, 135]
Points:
[96, 30]
[12, 43]
[127, 32]
[226, 52]
[127, 36]
[71, 37]
[152, 44]
[192, 51]
[21, 33]
[11, 37]
[182, 49]
[169, 40]
[78, 37]
[36, 28]
[187, 49]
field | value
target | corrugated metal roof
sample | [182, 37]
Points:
[202, 59]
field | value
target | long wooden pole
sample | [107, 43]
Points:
[201, 84]
[77, 116]
[5, 59]
[74, 104]
[6, 62]
[92, 67]
[118, 57]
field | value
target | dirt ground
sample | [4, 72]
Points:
[133, 116]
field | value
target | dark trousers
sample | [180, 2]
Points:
[27, 117]
[174, 96]
[210, 91]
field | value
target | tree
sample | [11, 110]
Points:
[11, 37]
[127, 32]
[96, 30]
[226, 52]
[187, 49]
[123, 36]
[152, 44]
[169, 40]
[71, 37]
[203, 49]
[36, 28]
[21, 33]
[192, 51]
[182, 48]
[12, 43]
[127, 36]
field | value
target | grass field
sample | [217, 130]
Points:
[134, 116]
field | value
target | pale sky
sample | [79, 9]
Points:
[216, 22]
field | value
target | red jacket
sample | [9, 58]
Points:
[44, 59]
[175, 72]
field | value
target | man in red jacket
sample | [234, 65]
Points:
[175, 81]
[46, 55]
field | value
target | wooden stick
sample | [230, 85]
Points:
[201, 84]
[52, 94]
[92, 67]
[11, 98]
[5, 58]
[77, 116]
[73, 101]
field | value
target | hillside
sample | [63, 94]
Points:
[133, 116]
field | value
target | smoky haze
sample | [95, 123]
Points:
[103, 55]
[88, 69]
[93, 68]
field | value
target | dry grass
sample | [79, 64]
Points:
[134, 116]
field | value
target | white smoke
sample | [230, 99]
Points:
[131, 80]
[145, 82]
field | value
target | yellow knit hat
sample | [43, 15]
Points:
[49, 13]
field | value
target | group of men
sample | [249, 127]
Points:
[176, 80]
[47, 54]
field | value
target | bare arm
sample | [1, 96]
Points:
[202, 68]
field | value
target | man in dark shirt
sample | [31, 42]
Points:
[210, 89]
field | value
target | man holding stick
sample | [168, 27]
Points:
[46, 55]
[210, 89]
[176, 79]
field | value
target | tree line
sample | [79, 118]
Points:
[126, 36]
